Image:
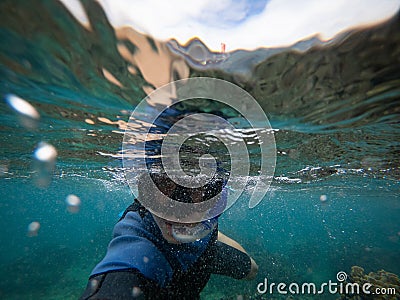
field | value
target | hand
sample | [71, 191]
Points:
[253, 271]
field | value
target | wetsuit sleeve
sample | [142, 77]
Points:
[230, 261]
[128, 284]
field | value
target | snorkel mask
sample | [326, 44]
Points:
[186, 231]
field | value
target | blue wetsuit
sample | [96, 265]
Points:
[141, 264]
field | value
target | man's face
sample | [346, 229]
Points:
[166, 229]
[166, 226]
[177, 233]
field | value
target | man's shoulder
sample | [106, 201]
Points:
[133, 224]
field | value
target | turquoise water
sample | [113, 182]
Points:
[334, 109]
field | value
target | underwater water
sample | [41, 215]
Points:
[334, 107]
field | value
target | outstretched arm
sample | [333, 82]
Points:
[230, 242]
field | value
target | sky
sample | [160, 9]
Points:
[242, 24]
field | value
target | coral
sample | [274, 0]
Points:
[383, 285]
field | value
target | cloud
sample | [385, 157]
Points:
[281, 22]
[284, 22]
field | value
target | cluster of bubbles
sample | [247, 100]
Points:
[45, 156]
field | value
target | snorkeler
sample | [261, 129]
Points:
[153, 258]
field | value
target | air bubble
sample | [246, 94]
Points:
[94, 284]
[145, 259]
[45, 155]
[73, 203]
[22, 106]
[33, 229]
[45, 152]
[323, 198]
[136, 292]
